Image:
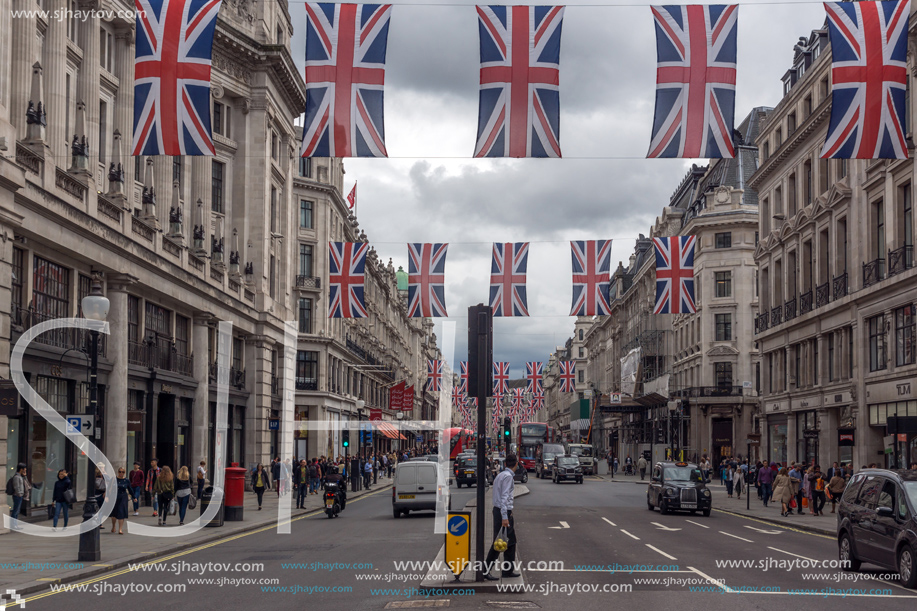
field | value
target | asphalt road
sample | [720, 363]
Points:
[570, 537]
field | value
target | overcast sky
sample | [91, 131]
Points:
[430, 189]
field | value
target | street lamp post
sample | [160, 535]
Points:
[95, 307]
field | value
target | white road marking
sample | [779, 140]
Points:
[562, 526]
[630, 535]
[656, 549]
[791, 554]
[663, 527]
[711, 579]
[736, 537]
[766, 532]
[596, 571]
[697, 524]
[609, 521]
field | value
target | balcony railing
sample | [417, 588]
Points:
[805, 303]
[789, 310]
[67, 338]
[822, 294]
[306, 384]
[776, 316]
[840, 286]
[159, 355]
[308, 282]
[873, 272]
[763, 322]
[709, 391]
[275, 386]
[182, 364]
[355, 348]
[900, 259]
[237, 378]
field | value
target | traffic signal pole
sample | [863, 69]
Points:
[480, 357]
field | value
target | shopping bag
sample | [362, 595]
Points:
[173, 507]
[805, 501]
[502, 540]
[792, 503]
[192, 502]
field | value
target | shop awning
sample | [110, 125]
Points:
[388, 430]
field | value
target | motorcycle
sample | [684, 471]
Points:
[333, 499]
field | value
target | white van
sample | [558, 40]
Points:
[415, 487]
[586, 455]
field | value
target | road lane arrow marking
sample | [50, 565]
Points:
[663, 527]
[656, 549]
[766, 532]
[561, 527]
[697, 524]
[609, 521]
[736, 537]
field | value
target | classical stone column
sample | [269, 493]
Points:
[200, 418]
[201, 170]
[124, 108]
[23, 57]
[116, 399]
[257, 363]
[54, 61]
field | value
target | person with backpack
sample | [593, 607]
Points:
[817, 489]
[164, 488]
[315, 476]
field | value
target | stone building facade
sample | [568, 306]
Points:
[836, 324]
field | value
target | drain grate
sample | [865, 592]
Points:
[515, 604]
[416, 604]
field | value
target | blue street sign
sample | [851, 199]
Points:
[273, 424]
[457, 526]
[419, 439]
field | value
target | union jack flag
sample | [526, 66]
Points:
[507, 279]
[868, 80]
[537, 401]
[519, 102]
[426, 278]
[533, 375]
[458, 398]
[434, 375]
[591, 277]
[675, 275]
[567, 376]
[695, 81]
[346, 279]
[518, 401]
[172, 77]
[501, 378]
[463, 377]
[345, 74]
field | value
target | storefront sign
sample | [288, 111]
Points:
[846, 437]
[775, 406]
[840, 398]
[893, 390]
[806, 403]
[375, 414]
[273, 424]
[810, 434]
[615, 397]
[9, 399]
[135, 421]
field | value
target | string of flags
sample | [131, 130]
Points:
[519, 95]
[591, 279]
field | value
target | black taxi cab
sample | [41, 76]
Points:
[678, 486]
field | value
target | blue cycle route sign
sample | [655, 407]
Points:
[457, 526]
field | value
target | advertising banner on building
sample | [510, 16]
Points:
[630, 365]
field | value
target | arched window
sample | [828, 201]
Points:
[580, 335]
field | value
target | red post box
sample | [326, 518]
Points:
[235, 493]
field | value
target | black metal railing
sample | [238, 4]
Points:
[840, 286]
[777, 316]
[789, 310]
[304, 384]
[275, 386]
[355, 348]
[822, 294]
[873, 272]
[900, 259]
[67, 338]
[709, 391]
[183, 364]
[308, 282]
[237, 378]
[805, 302]
[763, 322]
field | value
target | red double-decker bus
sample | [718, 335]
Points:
[528, 436]
[457, 440]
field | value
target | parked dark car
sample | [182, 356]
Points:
[567, 468]
[876, 522]
[466, 471]
[678, 486]
[520, 474]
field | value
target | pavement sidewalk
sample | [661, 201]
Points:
[440, 576]
[56, 558]
[822, 525]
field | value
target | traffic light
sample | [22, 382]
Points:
[507, 431]
[345, 438]
[660, 435]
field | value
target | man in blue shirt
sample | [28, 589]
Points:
[503, 517]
